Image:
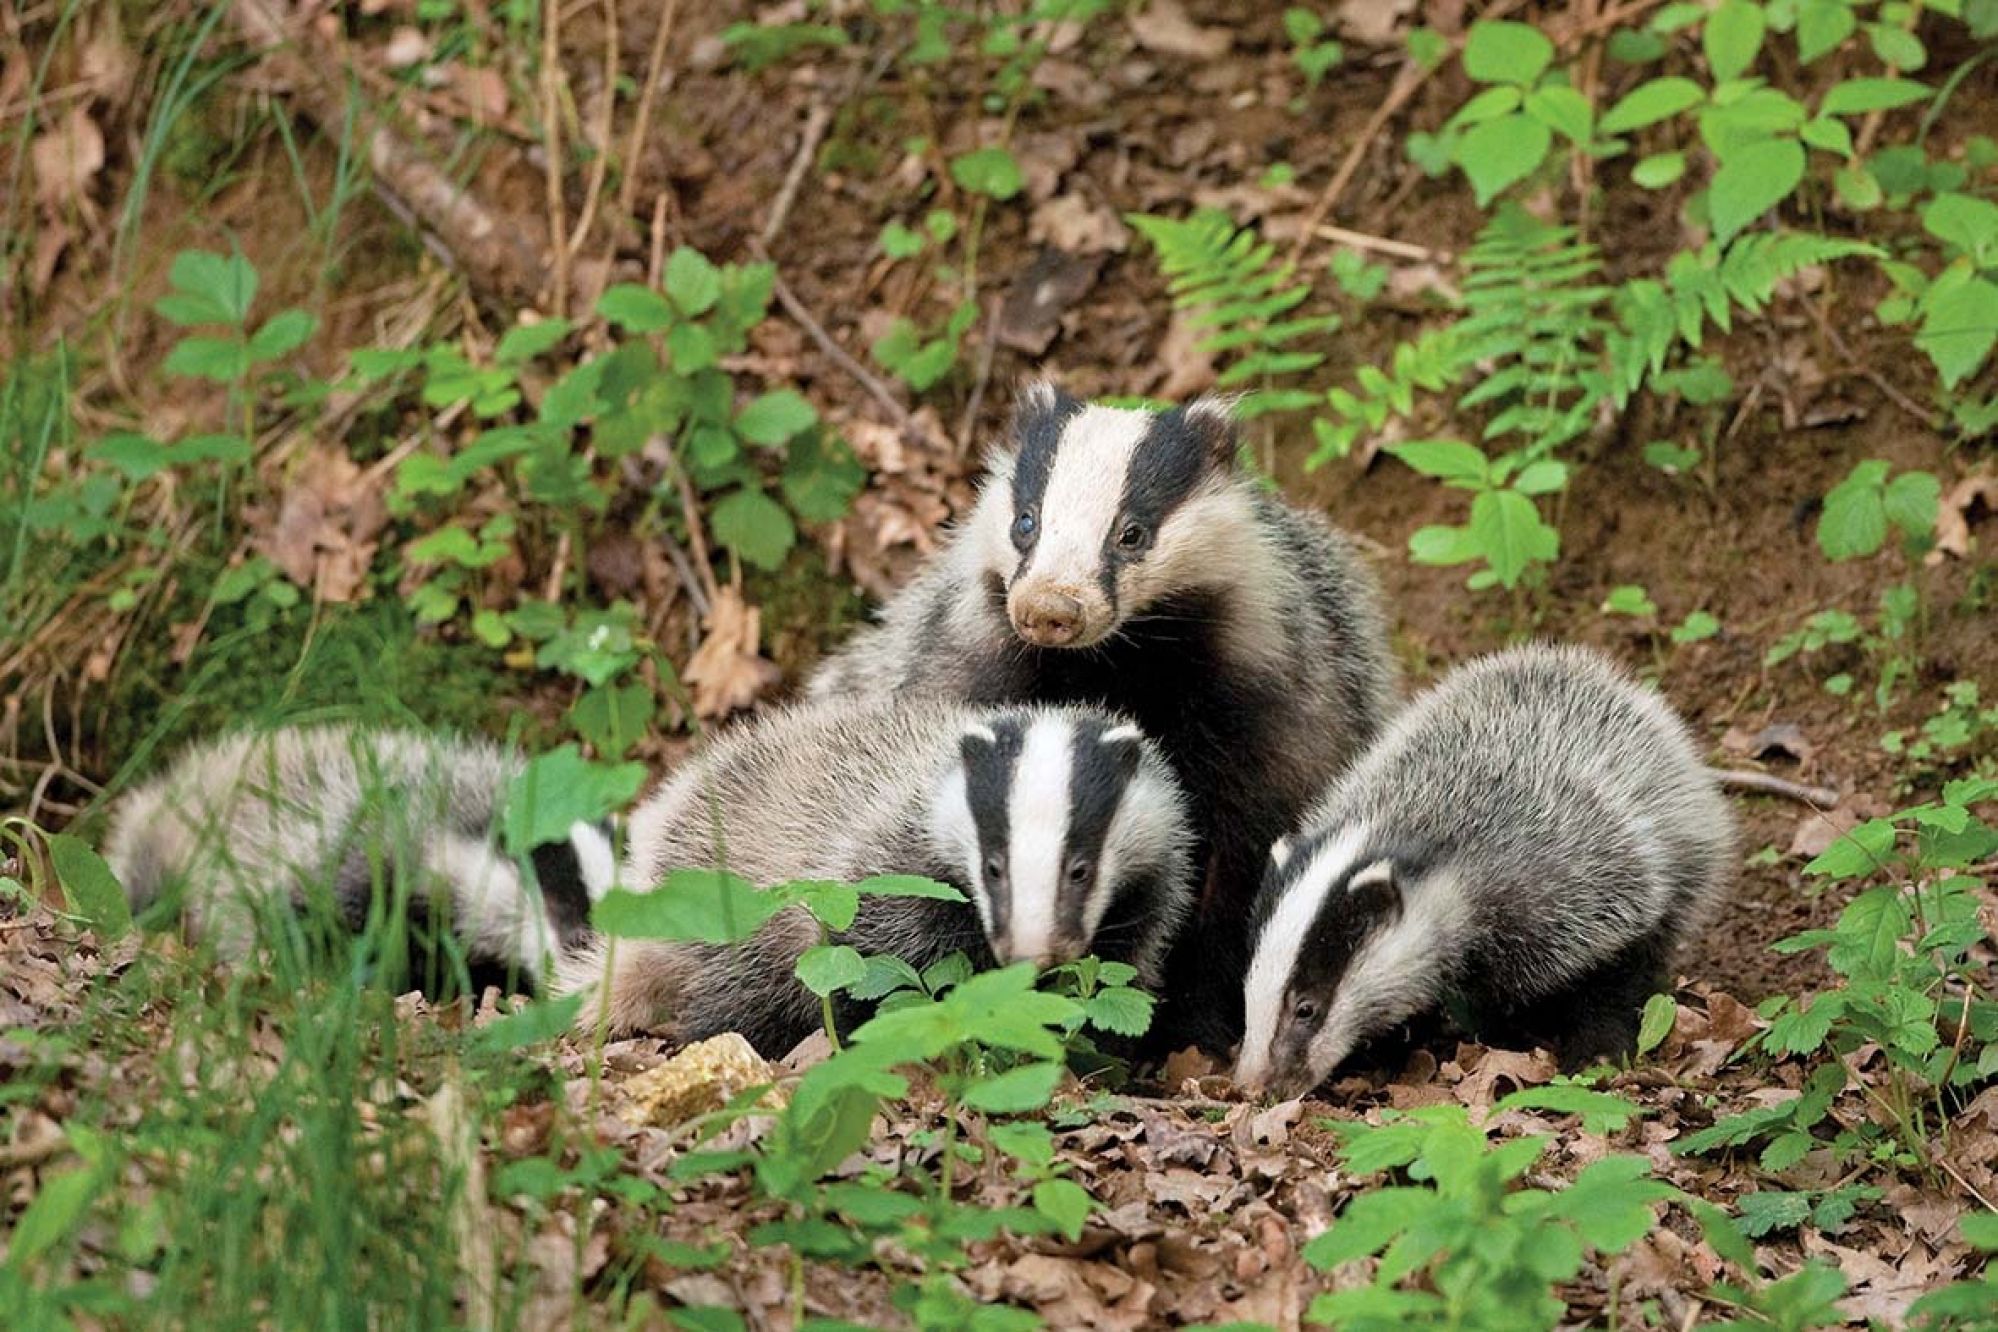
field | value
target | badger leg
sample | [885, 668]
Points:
[1596, 1015]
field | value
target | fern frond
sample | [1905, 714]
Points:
[1230, 283]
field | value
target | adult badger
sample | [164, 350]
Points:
[250, 831]
[1120, 558]
[1063, 827]
[1528, 844]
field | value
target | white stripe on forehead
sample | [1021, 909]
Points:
[1037, 827]
[1085, 490]
[1283, 938]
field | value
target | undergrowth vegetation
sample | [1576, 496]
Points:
[240, 485]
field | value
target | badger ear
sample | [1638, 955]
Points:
[1280, 851]
[1375, 889]
[1212, 419]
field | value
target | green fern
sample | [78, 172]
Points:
[1228, 280]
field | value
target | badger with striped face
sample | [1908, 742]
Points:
[243, 832]
[1120, 558]
[1527, 846]
[1063, 828]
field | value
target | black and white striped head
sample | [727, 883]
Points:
[1072, 836]
[1347, 947]
[575, 873]
[1096, 513]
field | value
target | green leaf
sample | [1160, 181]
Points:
[1860, 852]
[523, 342]
[692, 282]
[1697, 627]
[1651, 102]
[635, 308]
[988, 171]
[1629, 599]
[1506, 52]
[1897, 46]
[561, 788]
[1610, 1202]
[1767, 1211]
[1965, 222]
[1446, 459]
[1854, 521]
[57, 1210]
[1661, 1013]
[1369, 1224]
[1658, 170]
[612, 718]
[89, 888]
[286, 331]
[1065, 1203]
[693, 905]
[1543, 476]
[1600, 1112]
[134, 455]
[829, 968]
[1829, 135]
[908, 885]
[1502, 152]
[1511, 534]
[1753, 179]
[1120, 1010]
[775, 417]
[1959, 326]
[899, 242]
[1911, 501]
[1980, 1231]
[1437, 544]
[822, 477]
[1732, 38]
[224, 287]
[223, 360]
[541, 1021]
[1821, 26]
[1016, 1091]
[1852, 97]
[1562, 109]
[755, 527]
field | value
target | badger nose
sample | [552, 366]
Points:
[1048, 618]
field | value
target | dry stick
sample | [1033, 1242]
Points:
[1868, 373]
[491, 248]
[1823, 797]
[839, 355]
[1407, 82]
[986, 352]
[1361, 240]
[817, 121]
[601, 165]
[1602, 22]
[551, 128]
[655, 63]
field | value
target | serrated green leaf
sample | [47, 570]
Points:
[1959, 327]
[1821, 26]
[693, 284]
[1511, 534]
[775, 417]
[988, 171]
[1016, 1091]
[1750, 182]
[1965, 222]
[755, 527]
[829, 968]
[227, 284]
[1562, 109]
[284, 332]
[1445, 459]
[223, 360]
[560, 788]
[1661, 1014]
[635, 308]
[1065, 1203]
[1119, 1010]
[1502, 152]
[701, 906]
[1854, 521]
[1911, 502]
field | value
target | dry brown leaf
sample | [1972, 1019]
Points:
[1817, 830]
[1185, 367]
[67, 157]
[406, 47]
[1030, 316]
[1164, 27]
[1520, 1068]
[1071, 222]
[1373, 22]
[324, 534]
[480, 91]
[726, 672]
[1953, 515]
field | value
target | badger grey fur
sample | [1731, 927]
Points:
[1120, 558]
[259, 820]
[1063, 827]
[1530, 840]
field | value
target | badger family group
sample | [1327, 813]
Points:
[1137, 707]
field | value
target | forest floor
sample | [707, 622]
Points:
[1205, 1202]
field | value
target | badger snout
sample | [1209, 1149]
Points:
[1049, 616]
[1043, 954]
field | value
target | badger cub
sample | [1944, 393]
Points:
[1530, 840]
[1062, 826]
[1122, 559]
[246, 830]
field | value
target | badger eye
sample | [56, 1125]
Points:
[1132, 537]
[995, 867]
[1079, 872]
[1306, 1010]
[1024, 527]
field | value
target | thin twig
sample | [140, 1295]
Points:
[1868, 373]
[601, 165]
[690, 509]
[1411, 78]
[817, 121]
[1616, 18]
[1823, 797]
[551, 130]
[1361, 240]
[986, 351]
[655, 63]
